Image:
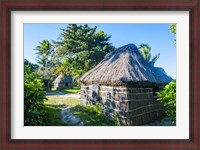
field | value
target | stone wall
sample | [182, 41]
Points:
[135, 106]
[59, 86]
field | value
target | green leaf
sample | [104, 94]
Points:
[168, 97]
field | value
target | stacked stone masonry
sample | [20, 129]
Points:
[135, 106]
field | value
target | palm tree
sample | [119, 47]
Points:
[44, 51]
[145, 51]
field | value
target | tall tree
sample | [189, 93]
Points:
[145, 51]
[81, 48]
[44, 51]
[44, 57]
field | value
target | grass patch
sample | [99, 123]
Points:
[54, 105]
[90, 115]
[93, 116]
[60, 102]
[53, 116]
[73, 90]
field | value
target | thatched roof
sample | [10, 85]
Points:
[62, 79]
[125, 66]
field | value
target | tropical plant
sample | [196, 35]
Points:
[45, 59]
[33, 67]
[44, 51]
[145, 51]
[168, 97]
[34, 96]
[81, 48]
[172, 28]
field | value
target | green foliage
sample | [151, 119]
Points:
[118, 122]
[46, 61]
[33, 67]
[81, 48]
[168, 97]
[172, 28]
[34, 96]
[145, 51]
[44, 51]
[53, 116]
[94, 116]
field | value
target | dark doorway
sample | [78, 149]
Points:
[155, 89]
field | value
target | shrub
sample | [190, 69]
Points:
[168, 97]
[34, 96]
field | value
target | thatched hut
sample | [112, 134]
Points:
[62, 82]
[124, 84]
[47, 84]
[46, 79]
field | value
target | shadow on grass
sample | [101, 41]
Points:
[53, 116]
[56, 106]
[55, 93]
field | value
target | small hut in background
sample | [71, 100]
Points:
[47, 84]
[62, 82]
[46, 79]
[124, 84]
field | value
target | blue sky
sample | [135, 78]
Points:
[158, 36]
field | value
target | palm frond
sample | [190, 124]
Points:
[153, 60]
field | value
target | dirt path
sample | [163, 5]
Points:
[69, 118]
[73, 120]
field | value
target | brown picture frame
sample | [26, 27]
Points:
[193, 6]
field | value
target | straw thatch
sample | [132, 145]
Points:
[62, 81]
[125, 66]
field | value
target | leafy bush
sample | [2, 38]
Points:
[34, 96]
[168, 97]
[33, 67]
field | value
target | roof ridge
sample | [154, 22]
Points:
[125, 65]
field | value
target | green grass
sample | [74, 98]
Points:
[72, 90]
[90, 115]
[93, 116]
[58, 101]
[68, 90]
[54, 105]
[53, 116]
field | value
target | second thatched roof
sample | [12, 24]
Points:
[125, 66]
[62, 79]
